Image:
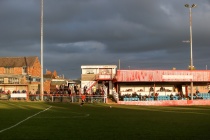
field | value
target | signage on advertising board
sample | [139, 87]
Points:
[177, 77]
[104, 76]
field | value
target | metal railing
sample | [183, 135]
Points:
[77, 98]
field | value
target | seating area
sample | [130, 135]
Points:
[131, 99]
[205, 96]
[199, 96]
[163, 98]
[151, 98]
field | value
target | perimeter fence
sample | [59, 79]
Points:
[54, 97]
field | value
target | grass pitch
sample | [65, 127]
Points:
[70, 121]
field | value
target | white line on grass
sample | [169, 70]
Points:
[24, 120]
[66, 117]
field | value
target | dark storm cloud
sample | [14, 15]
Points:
[142, 34]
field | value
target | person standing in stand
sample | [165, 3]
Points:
[85, 89]
[75, 88]
[33, 95]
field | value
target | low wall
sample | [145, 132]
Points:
[166, 103]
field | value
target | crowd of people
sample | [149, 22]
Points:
[95, 94]
[154, 96]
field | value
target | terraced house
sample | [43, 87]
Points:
[19, 73]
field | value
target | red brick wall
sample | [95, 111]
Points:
[1, 70]
[35, 70]
[17, 70]
[47, 86]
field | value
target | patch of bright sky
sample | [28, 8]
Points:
[166, 9]
[172, 15]
[84, 45]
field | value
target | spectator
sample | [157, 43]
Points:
[69, 91]
[94, 89]
[98, 91]
[75, 88]
[171, 96]
[144, 97]
[179, 97]
[156, 96]
[151, 89]
[140, 97]
[85, 89]
[161, 88]
[101, 90]
[32, 95]
[46, 97]
[134, 94]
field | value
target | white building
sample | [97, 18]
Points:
[94, 76]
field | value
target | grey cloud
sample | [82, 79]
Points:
[142, 34]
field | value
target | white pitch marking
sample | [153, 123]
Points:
[76, 116]
[24, 120]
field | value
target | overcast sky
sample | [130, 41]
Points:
[142, 34]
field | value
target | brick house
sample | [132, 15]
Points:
[24, 73]
[19, 73]
[48, 77]
[56, 82]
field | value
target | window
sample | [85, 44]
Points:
[24, 71]
[89, 71]
[37, 80]
[13, 80]
[1, 80]
[9, 70]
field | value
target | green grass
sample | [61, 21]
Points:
[99, 121]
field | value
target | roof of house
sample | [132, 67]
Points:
[58, 82]
[49, 76]
[17, 61]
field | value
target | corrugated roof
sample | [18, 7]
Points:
[163, 75]
[17, 61]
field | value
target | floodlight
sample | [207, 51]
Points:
[194, 5]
